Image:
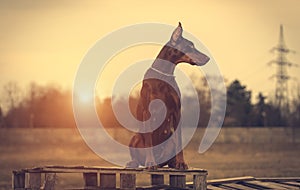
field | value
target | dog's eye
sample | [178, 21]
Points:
[189, 47]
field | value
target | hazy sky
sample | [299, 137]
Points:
[45, 41]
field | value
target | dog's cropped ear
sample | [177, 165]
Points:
[177, 34]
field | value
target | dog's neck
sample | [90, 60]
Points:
[163, 63]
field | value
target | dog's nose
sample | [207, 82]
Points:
[203, 60]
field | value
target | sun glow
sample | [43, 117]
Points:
[83, 98]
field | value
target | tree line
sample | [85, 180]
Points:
[50, 106]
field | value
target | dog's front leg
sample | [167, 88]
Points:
[150, 160]
[180, 163]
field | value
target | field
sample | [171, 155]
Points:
[259, 152]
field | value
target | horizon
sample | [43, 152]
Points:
[44, 42]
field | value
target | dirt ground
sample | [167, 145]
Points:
[25, 148]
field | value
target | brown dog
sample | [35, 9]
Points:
[159, 83]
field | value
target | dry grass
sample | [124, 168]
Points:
[24, 148]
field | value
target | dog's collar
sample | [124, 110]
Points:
[160, 72]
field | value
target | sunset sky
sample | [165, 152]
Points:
[45, 41]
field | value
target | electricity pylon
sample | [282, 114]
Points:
[282, 77]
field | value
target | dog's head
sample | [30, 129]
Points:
[183, 50]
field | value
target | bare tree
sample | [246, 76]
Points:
[2, 124]
[295, 108]
[11, 96]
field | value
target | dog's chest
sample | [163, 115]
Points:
[165, 88]
[163, 84]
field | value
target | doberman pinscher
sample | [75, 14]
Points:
[159, 83]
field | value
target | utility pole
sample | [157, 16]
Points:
[282, 77]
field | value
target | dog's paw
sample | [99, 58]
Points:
[132, 164]
[181, 166]
[151, 166]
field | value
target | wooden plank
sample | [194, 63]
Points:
[108, 181]
[238, 186]
[281, 185]
[35, 181]
[280, 179]
[230, 180]
[296, 184]
[50, 180]
[18, 180]
[177, 181]
[90, 179]
[226, 187]
[214, 187]
[263, 185]
[157, 179]
[199, 182]
[153, 187]
[127, 181]
[84, 169]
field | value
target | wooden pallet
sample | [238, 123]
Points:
[105, 178]
[251, 183]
